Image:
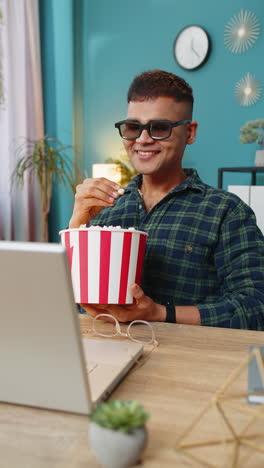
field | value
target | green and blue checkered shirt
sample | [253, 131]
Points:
[203, 249]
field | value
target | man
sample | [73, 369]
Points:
[204, 262]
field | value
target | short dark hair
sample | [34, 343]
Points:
[156, 83]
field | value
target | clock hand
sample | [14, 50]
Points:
[196, 53]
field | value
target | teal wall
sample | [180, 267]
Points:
[57, 71]
[113, 41]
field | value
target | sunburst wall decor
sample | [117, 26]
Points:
[248, 90]
[242, 31]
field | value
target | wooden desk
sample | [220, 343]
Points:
[174, 385]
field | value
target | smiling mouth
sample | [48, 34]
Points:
[146, 154]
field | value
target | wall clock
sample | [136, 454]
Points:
[192, 47]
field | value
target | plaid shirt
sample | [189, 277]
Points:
[203, 249]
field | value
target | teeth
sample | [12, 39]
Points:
[146, 152]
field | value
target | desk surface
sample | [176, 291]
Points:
[174, 384]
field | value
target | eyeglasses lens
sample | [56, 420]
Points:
[103, 328]
[130, 130]
[140, 332]
[160, 129]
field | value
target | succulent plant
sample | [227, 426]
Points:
[124, 416]
[253, 131]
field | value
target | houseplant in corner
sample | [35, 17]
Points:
[47, 160]
[253, 132]
[117, 433]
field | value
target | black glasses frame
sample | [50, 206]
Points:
[148, 127]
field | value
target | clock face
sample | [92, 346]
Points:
[191, 48]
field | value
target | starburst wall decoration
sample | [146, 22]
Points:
[248, 90]
[242, 31]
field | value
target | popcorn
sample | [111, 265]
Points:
[107, 228]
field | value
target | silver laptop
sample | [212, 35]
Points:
[44, 362]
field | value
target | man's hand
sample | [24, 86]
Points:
[91, 196]
[143, 309]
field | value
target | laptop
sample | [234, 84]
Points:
[44, 362]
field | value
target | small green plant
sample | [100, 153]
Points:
[127, 171]
[253, 132]
[119, 415]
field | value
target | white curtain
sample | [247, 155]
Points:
[21, 114]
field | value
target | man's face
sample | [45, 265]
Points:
[150, 156]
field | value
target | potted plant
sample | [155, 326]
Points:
[253, 132]
[47, 159]
[117, 433]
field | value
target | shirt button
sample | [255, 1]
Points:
[140, 206]
[188, 248]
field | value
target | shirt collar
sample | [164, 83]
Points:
[134, 184]
[193, 182]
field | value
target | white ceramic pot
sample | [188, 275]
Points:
[115, 449]
[259, 159]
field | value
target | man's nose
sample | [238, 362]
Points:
[144, 137]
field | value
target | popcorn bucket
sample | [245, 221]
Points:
[104, 262]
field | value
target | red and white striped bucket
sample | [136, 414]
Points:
[104, 263]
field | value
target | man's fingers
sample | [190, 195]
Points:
[137, 292]
[90, 197]
[93, 310]
[99, 189]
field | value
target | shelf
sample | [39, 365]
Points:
[253, 170]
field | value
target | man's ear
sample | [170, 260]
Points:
[192, 129]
